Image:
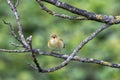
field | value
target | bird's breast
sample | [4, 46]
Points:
[53, 41]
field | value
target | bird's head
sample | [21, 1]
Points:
[54, 35]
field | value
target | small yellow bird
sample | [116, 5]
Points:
[55, 42]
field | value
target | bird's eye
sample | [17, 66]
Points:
[53, 36]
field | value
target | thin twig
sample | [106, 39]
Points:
[16, 45]
[13, 8]
[59, 15]
[12, 31]
[17, 3]
[13, 51]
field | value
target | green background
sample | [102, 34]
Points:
[39, 24]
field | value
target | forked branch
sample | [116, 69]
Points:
[88, 15]
[27, 43]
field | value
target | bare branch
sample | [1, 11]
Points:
[13, 8]
[16, 45]
[12, 31]
[29, 39]
[17, 3]
[77, 58]
[89, 15]
[59, 15]
[93, 35]
[64, 56]
[13, 51]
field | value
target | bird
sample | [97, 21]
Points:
[55, 43]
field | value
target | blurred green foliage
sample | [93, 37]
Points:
[40, 25]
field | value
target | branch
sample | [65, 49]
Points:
[93, 35]
[27, 43]
[64, 56]
[13, 51]
[16, 45]
[12, 31]
[17, 3]
[59, 15]
[13, 8]
[77, 58]
[89, 15]
[29, 39]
